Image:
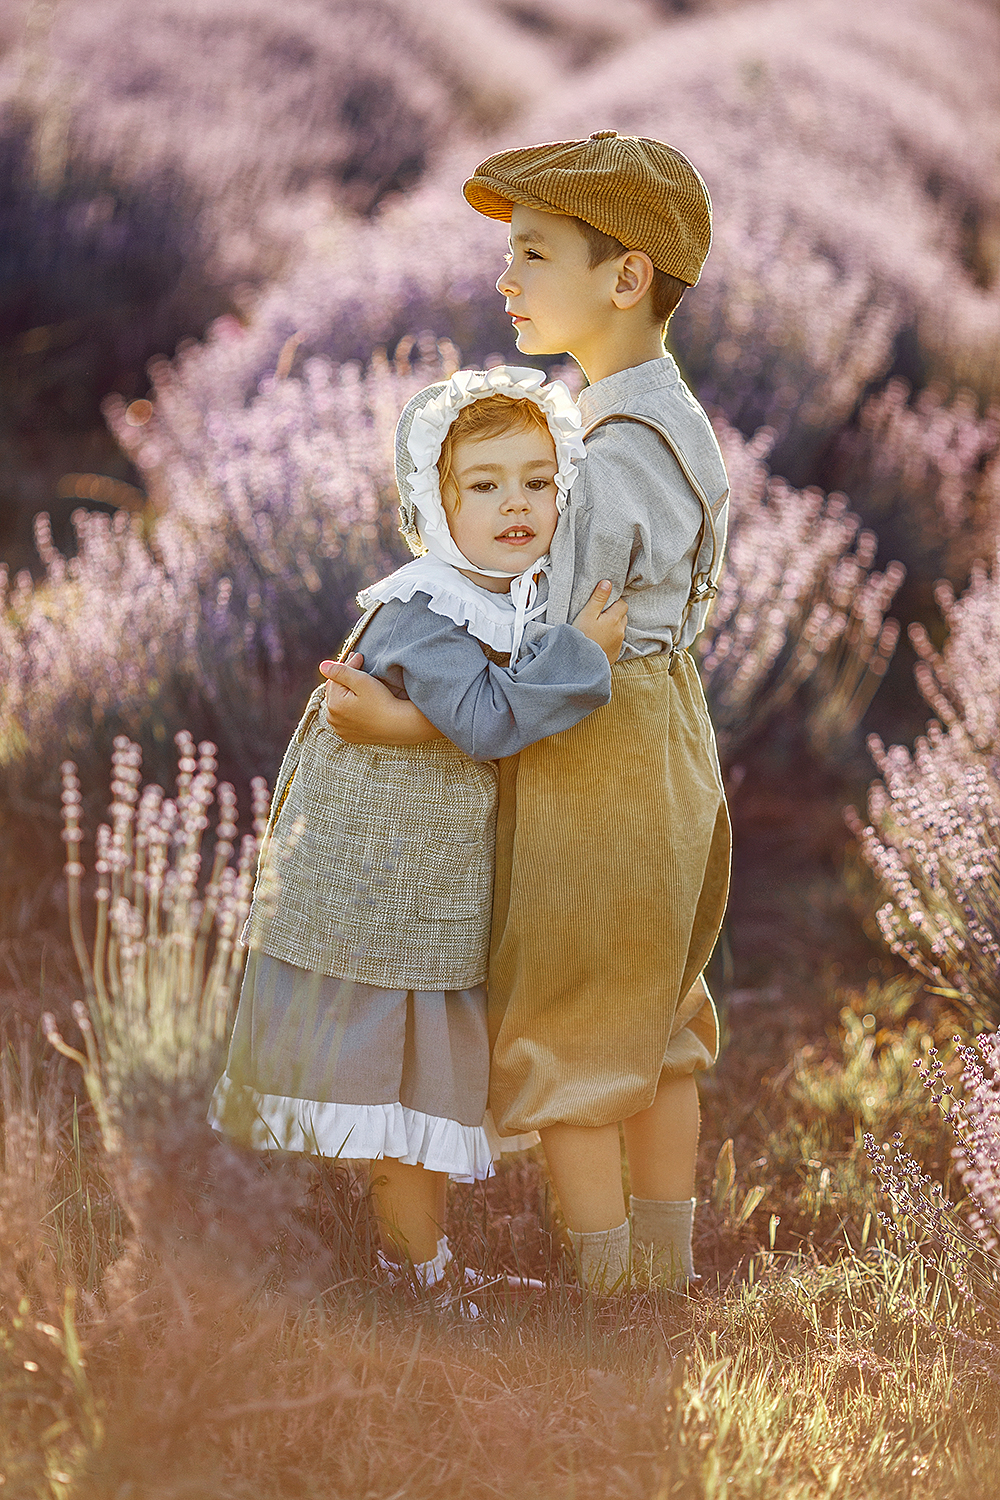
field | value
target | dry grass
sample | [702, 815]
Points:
[180, 1320]
[233, 1342]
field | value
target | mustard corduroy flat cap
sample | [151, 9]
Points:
[641, 192]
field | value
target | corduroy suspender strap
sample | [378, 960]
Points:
[704, 582]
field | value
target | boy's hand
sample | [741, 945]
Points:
[364, 712]
[606, 626]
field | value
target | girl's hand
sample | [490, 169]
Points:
[339, 677]
[605, 626]
[364, 712]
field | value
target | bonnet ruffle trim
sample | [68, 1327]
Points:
[432, 421]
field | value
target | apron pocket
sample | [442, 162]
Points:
[453, 883]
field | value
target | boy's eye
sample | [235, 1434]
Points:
[532, 255]
[483, 487]
[540, 484]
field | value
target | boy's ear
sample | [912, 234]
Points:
[634, 279]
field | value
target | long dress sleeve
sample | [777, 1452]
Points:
[487, 710]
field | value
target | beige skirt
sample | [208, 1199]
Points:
[613, 849]
[338, 1068]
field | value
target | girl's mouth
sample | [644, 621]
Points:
[516, 534]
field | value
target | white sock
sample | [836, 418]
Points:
[602, 1256]
[424, 1272]
[662, 1231]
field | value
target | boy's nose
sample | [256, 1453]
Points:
[505, 285]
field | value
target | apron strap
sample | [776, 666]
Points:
[704, 581]
[289, 765]
[358, 630]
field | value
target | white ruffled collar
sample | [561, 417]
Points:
[423, 514]
[495, 619]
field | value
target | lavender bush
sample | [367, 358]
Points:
[165, 964]
[855, 238]
[799, 603]
[160, 976]
[928, 468]
[243, 126]
[837, 255]
[216, 612]
[316, 96]
[962, 683]
[148, 186]
[967, 1234]
[933, 836]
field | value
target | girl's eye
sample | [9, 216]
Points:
[532, 255]
[540, 484]
[483, 487]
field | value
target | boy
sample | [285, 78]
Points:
[612, 837]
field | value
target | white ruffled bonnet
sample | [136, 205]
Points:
[496, 619]
[420, 434]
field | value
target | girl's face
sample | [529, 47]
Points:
[506, 511]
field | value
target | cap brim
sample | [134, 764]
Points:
[494, 199]
[487, 200]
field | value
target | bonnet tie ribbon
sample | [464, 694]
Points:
[523, 593]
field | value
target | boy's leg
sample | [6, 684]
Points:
[586, 1170]
[410, 1204]
[662, 1142]
[662, 1147]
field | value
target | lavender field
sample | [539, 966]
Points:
[232, 244]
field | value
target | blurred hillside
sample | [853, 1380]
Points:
[159, 160]
[164, 163]
[851, 157]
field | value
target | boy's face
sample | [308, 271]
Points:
[506, 511]
[557, 302]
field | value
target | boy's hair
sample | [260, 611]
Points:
[487, 418]
[666, 290]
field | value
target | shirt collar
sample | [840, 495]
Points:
[618, 391]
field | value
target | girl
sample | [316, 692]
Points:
[361, 1028]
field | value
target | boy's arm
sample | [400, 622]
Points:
[363, 711]
[632, 518]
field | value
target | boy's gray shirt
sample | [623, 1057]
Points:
[632, 515]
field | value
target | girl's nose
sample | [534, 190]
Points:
[505, 284]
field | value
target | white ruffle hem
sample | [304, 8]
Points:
[354, 1132]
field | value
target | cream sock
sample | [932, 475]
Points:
[661, 1232]
[602, 1258]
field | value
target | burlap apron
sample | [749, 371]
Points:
[612, 872]
[377, 862]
